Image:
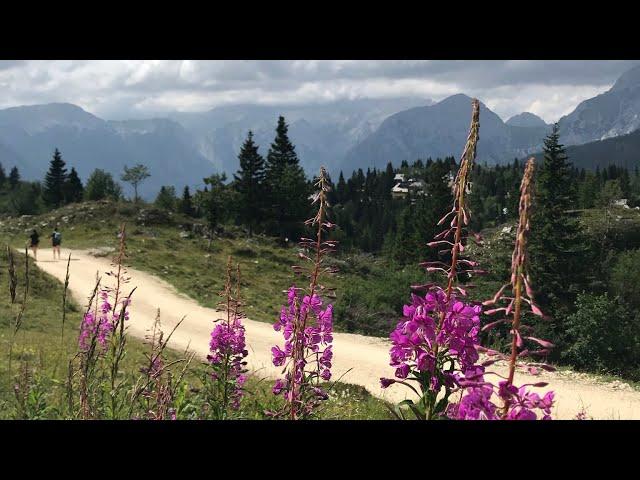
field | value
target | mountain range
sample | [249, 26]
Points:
[183, 148]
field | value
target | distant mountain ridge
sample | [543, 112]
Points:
[441, 130]
[610, 114]
[185, 147]
[526, 119]
[28, 136]
[346, 135]
[322, 133]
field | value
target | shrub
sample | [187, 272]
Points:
[625, 277]
[603, 336]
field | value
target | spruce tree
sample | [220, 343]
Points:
[557, 253]
[73, 188]
[54, 182]
[186, 204]
[3, 176]
[166, 198]
[249, 183]
[341, 189]
[287, 185]
[14, 178]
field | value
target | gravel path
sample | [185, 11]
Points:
[367, 357]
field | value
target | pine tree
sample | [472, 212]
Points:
[3, 176]
[214, 202]
[341, 189]
[249, 183]
[186, 203]
[54, 182]
[287, 185]
[73, 188]
[166, 198]
[557, 254]
[14, 178]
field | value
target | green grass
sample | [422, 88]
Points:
[39, 347]
[39, 343]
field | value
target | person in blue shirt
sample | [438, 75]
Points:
[56, 240]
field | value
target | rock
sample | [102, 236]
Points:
[185, 235]
[101, 251]
[153, 216]
[65, 219]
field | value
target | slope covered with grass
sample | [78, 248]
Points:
[40, 358]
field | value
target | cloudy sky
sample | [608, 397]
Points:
[118, 90]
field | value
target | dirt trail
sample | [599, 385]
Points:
[367, 357]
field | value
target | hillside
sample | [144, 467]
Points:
[169, 247]
[35, 385]
[623, 151]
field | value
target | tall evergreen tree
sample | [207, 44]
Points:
[73, 188]
[287, 184]
[186, 203]
[14, 178]
[166, 198]
[214, 202]
[557, 254]
[3, 176]
[55, 181]
[249, 183]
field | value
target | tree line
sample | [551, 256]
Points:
[61, 187]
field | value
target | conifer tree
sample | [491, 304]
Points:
[73, 188]
[14, 178]
[3, 176]
[287, 185]
[55, 181]
[249, 183]
[166, 198]
[556, 244]
[186, 203]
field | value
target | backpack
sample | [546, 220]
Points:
[57, 236]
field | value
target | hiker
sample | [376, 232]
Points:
[35, 240]
[56, 240]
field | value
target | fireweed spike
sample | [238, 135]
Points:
[517, 402]
[307, 327]
[434, 345]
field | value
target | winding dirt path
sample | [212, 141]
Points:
[367, 357]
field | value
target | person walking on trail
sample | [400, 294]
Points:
[56, 240]
[33, 245]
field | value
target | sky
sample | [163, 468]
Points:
[123, 89]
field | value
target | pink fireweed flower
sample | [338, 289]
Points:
[414, 340]
[99, 324]
[315, 341]
[228, 350]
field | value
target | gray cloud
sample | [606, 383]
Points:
[137, 89]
